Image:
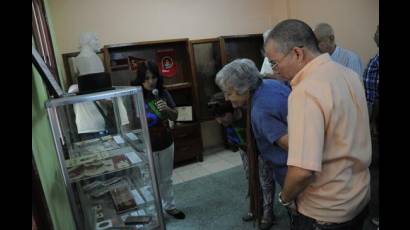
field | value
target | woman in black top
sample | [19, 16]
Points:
[159, 107]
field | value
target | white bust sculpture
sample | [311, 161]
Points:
[88, 61]
[88, 117]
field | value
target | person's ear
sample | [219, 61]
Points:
[300, 54]
[332, 38]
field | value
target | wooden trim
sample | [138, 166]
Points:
[72, 54]
[107, 59]
[68, 79]
[206, 40]
[42, 38]
[194, 81]
[241, 36]
[118, 67]
[195, 102]
[183, 85]
[186, 124]
[146, 43]
[224, 58]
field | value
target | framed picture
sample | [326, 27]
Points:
[133, 63]
[184, 113]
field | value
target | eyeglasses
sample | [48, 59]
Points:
[274, 65]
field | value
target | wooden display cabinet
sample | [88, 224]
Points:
[206, 54]
[242, 46]
[210, 55]
[182, 86]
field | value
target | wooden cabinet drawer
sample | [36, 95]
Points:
[187, 149]
[186, 132]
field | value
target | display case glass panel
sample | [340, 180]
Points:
[105, 155]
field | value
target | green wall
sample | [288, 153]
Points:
[44, 152]
[46, 160]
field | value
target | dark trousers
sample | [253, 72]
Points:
[374, 166]
[301, 222]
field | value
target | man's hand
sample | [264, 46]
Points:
[297, 179]
[291, 205]
[283, 142]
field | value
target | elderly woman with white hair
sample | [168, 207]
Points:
[266, 102]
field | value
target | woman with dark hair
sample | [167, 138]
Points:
[159, 107]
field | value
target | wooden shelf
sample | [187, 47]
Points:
[206, 40]
[159, 42]
[115, 67]
[179, 124]
[240, 36]
[183, 85]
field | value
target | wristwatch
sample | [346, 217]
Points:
[282, 203]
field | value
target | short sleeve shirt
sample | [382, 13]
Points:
[160, 134]
[329, 134]
[269, 119]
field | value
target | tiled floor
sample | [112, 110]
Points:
[214, 161]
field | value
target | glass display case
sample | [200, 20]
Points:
[105, 155]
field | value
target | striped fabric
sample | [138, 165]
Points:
[371, 80]
[349, 59]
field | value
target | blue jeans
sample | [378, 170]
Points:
[301, 222]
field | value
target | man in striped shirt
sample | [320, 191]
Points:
[371, 88]
[326, 39]
[371, 77]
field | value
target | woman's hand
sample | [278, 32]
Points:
[162, 106]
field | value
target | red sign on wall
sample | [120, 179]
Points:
[166, 62]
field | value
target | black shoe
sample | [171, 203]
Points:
[266, 224]
[375, 221]
[177, 214]
[248, 217]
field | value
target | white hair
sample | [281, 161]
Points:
[323, 30]
[240, 74]
[265, 34]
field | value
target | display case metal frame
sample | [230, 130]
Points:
[136, 93]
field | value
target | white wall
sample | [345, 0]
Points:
[119, 21]
[354, 21]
